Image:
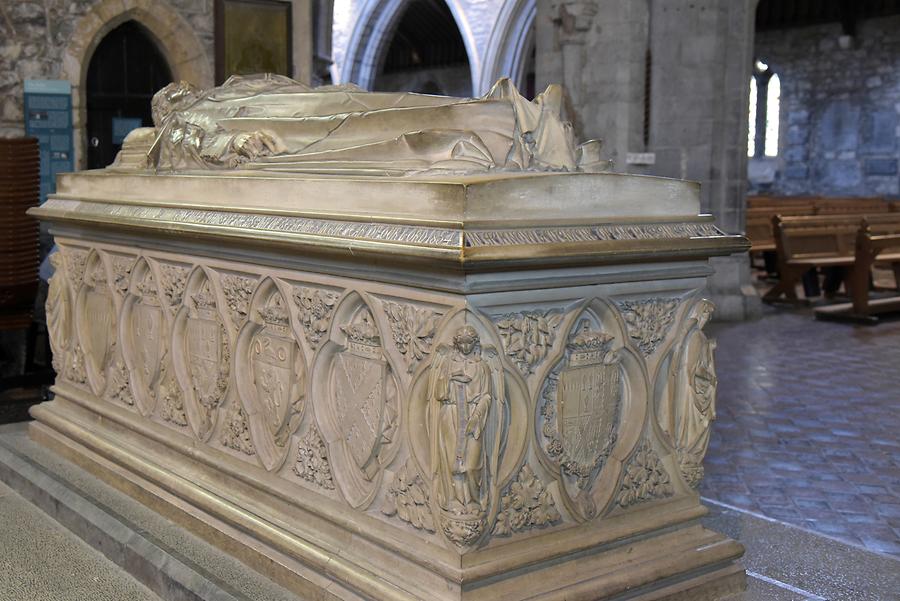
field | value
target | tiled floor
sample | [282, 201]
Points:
[808, 428]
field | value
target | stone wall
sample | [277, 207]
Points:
[36, 35]
[840, 111]
[691, 112]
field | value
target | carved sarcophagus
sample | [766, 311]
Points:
[435, 384]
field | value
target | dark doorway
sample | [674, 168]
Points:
[426, 53]
[125, 71]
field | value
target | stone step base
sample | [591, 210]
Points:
[178, 565]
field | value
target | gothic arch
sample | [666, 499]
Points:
[182, 49]
[372, 34]
[509, 44]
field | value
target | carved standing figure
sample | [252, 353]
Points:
[695, 390]
[466, 399]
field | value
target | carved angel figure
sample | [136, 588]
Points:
[694, 407]
[466, 398]
[272, 122]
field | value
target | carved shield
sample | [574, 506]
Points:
[588, 398]
[204, 350]
[359, 395]
[99, 319]
[272, 358]
[147, 323]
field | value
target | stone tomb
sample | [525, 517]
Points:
[430, 385]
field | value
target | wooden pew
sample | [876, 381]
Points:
[805, 243]
[759, 224]
[877, 241]
[850, 206]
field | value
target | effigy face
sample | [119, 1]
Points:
[426, 387]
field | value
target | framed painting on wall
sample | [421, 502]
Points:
[253, 36]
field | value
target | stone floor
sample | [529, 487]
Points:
[808, 428]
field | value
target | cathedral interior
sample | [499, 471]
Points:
[785, 112]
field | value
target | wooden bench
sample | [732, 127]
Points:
[850, 206]
[805, 243]
[877, 241]
[759, 224]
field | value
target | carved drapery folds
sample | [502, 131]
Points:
[687, 412]
[467, 404]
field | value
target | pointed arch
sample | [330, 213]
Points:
[182, 49]
[372, 35]
[511, 41]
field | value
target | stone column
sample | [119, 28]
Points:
[691, 110]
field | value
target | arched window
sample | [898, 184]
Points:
[765, 110]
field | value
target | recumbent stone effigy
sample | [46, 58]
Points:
[393, 346]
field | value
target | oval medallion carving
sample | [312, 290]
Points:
[96, 322]
[144, 337]
[587, 419]
[357, 401]
[202, 351]
[468, 424]
[271, 375]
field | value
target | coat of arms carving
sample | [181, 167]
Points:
[271, 378]
[145, 346]
[360, 415]
[581, 404]
[360, 379]
[206, 348]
